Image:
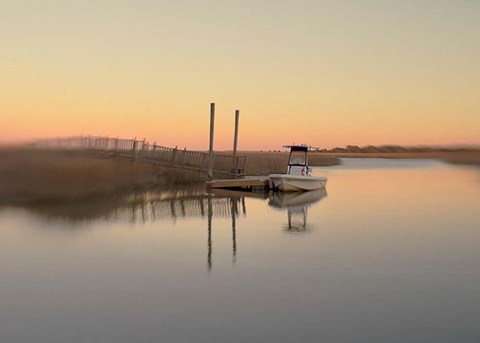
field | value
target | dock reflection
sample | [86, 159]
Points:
[235, 200]
[140, 208]
[181, 204]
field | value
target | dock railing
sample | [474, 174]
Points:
[142, 150]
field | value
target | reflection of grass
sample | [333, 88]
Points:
[262, 163]
[55, 175]
[123, 206]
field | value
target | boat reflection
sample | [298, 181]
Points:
[296, 204]
[290, 200]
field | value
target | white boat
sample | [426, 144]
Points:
[299, 175]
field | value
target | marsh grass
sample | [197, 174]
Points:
[264, 163]
[47, 175]
[455, 157]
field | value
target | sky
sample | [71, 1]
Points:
[326, 73]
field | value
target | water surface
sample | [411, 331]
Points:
[390, 254]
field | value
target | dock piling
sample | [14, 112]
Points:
[235, 140]
[210, 149]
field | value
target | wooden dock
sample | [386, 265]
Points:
[141, 150]
[244, 183]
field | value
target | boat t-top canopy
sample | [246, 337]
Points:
[299, 147]
[298, 158]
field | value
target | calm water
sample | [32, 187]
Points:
[391, 254]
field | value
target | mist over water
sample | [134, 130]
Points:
[389, 253]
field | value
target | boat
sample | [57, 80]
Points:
[299, 175]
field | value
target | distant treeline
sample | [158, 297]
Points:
[394, 149]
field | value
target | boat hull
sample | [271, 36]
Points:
[296, 183]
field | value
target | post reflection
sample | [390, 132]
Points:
[234, 212]
[210, 216]
[235, 201]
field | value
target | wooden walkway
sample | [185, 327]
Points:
[141, 150]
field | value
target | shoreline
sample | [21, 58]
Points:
[457, 157]
[55, 176]
[28, 176]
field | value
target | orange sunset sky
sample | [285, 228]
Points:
[328, 73]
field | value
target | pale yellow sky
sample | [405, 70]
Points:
[327, 73]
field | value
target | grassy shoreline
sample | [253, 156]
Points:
[458, 157]
[57, 176]
[53, 176]
[264, 163]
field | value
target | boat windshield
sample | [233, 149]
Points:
[298, 158]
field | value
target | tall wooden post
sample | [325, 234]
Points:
[134, 147]
[174, 155]
[235, 140]
[210, 149]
